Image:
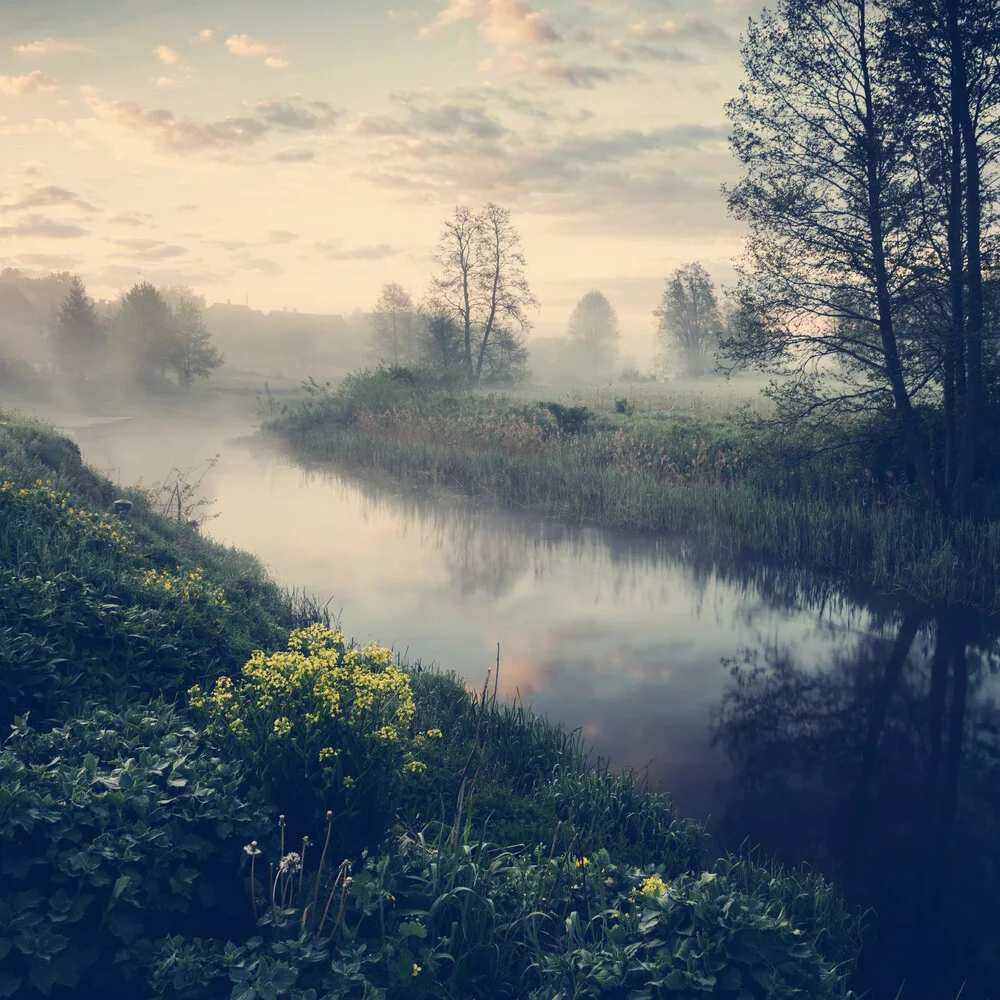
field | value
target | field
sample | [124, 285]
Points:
[680, 460]
[208, 793]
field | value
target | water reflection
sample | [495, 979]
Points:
[826, 724]
[882, 770]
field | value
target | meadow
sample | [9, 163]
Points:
[209, 790]
[690, 461]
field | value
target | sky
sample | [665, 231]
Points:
[300, 154]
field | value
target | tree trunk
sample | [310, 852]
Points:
[894, 369]
[953, 351]
[972, 415]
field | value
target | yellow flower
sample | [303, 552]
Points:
[282, 726]
[348, 782]
[416, 969]
[582, 862]
[328, 753]
[435, 734]
[653, 886]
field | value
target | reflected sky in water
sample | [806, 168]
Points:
[843, 729]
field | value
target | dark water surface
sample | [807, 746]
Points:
[853, 732]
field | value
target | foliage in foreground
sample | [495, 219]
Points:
[134, 841]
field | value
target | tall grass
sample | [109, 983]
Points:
[853, 535]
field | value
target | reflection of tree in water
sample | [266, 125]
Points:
[882, 771]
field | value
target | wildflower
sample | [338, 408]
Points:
[653, 886]
[416, 969]
[290, 863]
[348, 782]
[582, 862]
[251, 848]
[435, 734]
[282, 726]
[328, 753]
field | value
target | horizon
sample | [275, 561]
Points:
[306, 157]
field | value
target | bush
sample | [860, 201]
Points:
[571, 419]
[116, 829]
[322, 725]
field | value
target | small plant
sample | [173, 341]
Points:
[624, 406]
[179, 495]
[321, 723]
[571, 419]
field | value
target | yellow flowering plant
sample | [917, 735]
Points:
[321, 723]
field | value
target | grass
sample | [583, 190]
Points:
[673, 462]
[151, 849]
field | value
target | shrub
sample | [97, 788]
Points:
[323, 725]
[571, 419]
[116, 829]
[624, 406]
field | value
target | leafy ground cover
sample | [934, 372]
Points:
[208, 792]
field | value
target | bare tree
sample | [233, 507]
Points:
[481, 279]
[456, 258]
[688, 317]
[394, 329]
[503, 296]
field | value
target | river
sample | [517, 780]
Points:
[848, 730]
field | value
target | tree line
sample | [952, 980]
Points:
[148, 336]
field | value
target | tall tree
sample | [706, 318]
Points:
[146, 331]
[78, 332]
[594, 333]
[456, 258]
[830, 207]
[195, 357]
[504, 296]
[688, 317]
[394, 328]
[481, 279]
[505, 359]
[861, 131]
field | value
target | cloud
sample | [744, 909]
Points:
[399, 15]
[131, 219]
[333, 250]
[448, 118]
[138, 243]
[38, 225]
[294, 156]
[230, 245]
[165, 252]
[170, 134]
[204, 36]
[35, 82]
[49, 47]
[49, 195]
[48, 261]
[504, 23]
[264, 265]
[579, 75]
[250, 48]
[273, 62]
[281, 236]
[167, 55]
[297, 115]
[691, 25]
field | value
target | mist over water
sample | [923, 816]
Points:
[850, 731]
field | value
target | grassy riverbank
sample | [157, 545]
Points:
[651, 460]
[180, 726]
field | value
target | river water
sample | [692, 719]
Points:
[847, 730]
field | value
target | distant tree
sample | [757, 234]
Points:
[505, 360]
[394, 328]
[456, 258]
[79, 333]
[481, 280]
[146, 331]
[593, 330]
[195, 357]
[440, 337]
[688, 318]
